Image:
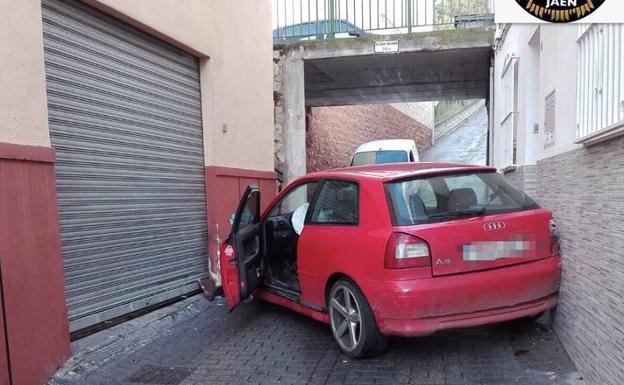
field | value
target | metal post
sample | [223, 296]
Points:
[332, 19]
[409, 16]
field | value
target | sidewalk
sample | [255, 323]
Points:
[197, 342]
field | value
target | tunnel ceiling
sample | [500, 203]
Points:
[452, 71]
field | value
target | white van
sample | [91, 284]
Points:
[385, 151]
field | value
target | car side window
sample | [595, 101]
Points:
[337, 203]
[294, 199]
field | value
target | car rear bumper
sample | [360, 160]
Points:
[424, 306]
[426, 326]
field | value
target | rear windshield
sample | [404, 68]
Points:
[445, 197]
[378, 157]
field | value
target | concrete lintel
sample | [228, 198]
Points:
[400, 94]
[414, 42]
[407, 76]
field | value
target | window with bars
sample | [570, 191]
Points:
[600, 79]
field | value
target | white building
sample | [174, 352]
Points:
[558, 133]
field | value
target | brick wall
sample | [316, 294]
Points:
[333, 133]
[585, 189]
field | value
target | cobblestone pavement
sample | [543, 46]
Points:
[196, 342]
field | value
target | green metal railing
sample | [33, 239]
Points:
[326, 19]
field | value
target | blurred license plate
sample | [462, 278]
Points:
[491, 251]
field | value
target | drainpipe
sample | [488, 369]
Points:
[490, 104]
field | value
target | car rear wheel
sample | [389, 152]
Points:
[352, 321]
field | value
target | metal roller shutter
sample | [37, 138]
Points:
[125, 120]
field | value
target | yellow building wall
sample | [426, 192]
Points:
[23, 106]
[232, 39]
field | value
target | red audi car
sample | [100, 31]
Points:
[398, 249]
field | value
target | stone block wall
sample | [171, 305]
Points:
[585, 189]
[278, 109]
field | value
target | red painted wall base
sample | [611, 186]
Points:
[224, 187]
[36, 332]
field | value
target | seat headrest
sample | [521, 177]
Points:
[461, 199]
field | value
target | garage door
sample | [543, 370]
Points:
[125, 120]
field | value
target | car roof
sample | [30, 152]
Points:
[387, 145]
[396, 171]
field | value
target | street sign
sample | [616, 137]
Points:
[387, 46]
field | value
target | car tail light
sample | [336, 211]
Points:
[406, 251]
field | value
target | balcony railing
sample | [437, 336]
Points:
[327, 19]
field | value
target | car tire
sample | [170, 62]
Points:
[352, 321]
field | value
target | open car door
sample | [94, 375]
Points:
[241, 253]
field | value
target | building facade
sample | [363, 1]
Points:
[127, 132]
[558, 133]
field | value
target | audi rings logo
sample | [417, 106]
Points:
[493, 226]
[560, 11]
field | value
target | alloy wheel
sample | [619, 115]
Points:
[345, 318]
